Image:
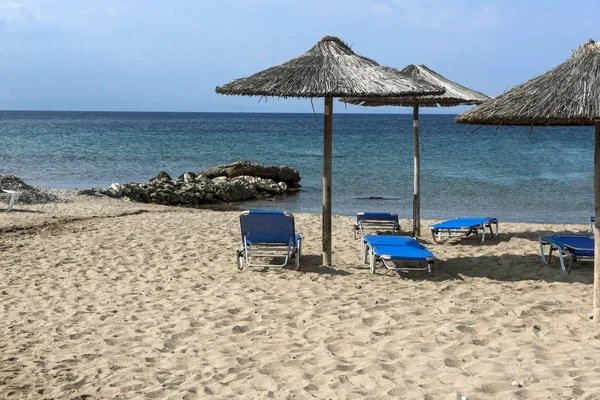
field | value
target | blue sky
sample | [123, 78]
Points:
[150, 55]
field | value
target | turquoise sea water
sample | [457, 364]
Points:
[547, 177]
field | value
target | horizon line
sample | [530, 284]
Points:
[213, 112]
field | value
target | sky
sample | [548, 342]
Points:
[169, 55]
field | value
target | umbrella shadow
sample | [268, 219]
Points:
[308, 264]
[513, 268]
[535, 235]
[314, 263]
[471, 240]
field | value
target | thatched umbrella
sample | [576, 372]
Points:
[455, 95]
[330, 69]
[566, 95]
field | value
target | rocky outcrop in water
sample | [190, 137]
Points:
[235, 182]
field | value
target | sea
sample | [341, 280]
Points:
[518, 174]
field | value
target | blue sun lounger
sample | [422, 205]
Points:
[268, 234]
[370, 241]
[398, 253]
[464, 227]
[575, 247]
[372, 222]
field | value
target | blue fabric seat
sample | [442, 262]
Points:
[381, 240]
[268, 234]
[575, 247]
[373, 222]
[405, 253]
[464, 227]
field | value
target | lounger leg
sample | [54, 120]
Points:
[363, 252]
[542, 251]
[434, 237]
[298, 253]
[570, 265]
[11, 203]
[480, 238]
[372, 261]
[429, 268]
[562, 261]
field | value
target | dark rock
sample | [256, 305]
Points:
[230, 183]
[187, 177]
[277, 173]
[163, 176]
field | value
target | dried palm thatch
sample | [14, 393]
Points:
[329, 69]
[566, 95]
[455, 94]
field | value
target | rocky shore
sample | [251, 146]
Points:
[35, 194]
[229, 183]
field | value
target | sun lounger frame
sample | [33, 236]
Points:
[564, 251]
[291, 249]
[400, 264]
[375, 222]
[13, 197]
[440, 234]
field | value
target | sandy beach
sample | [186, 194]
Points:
[107, 299]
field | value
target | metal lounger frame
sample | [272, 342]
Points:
[375, 225]
[269, 250]
[13, 197]
[452, 233]
[561, 255]
[385, 259]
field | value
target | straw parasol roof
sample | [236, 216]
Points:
[455, 94]
[329, 69]
[566, 95]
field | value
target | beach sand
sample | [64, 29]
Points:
[106, 299]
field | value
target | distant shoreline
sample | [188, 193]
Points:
[407, 112]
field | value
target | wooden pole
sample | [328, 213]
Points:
[597, 222]
[327, 156]
[417, 177]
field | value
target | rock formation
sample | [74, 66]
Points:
[235, 182]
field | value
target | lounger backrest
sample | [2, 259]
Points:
[375, 216]
[267, 226]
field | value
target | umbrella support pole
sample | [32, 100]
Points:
[327, 156]
[597, 222]
[417, 175]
